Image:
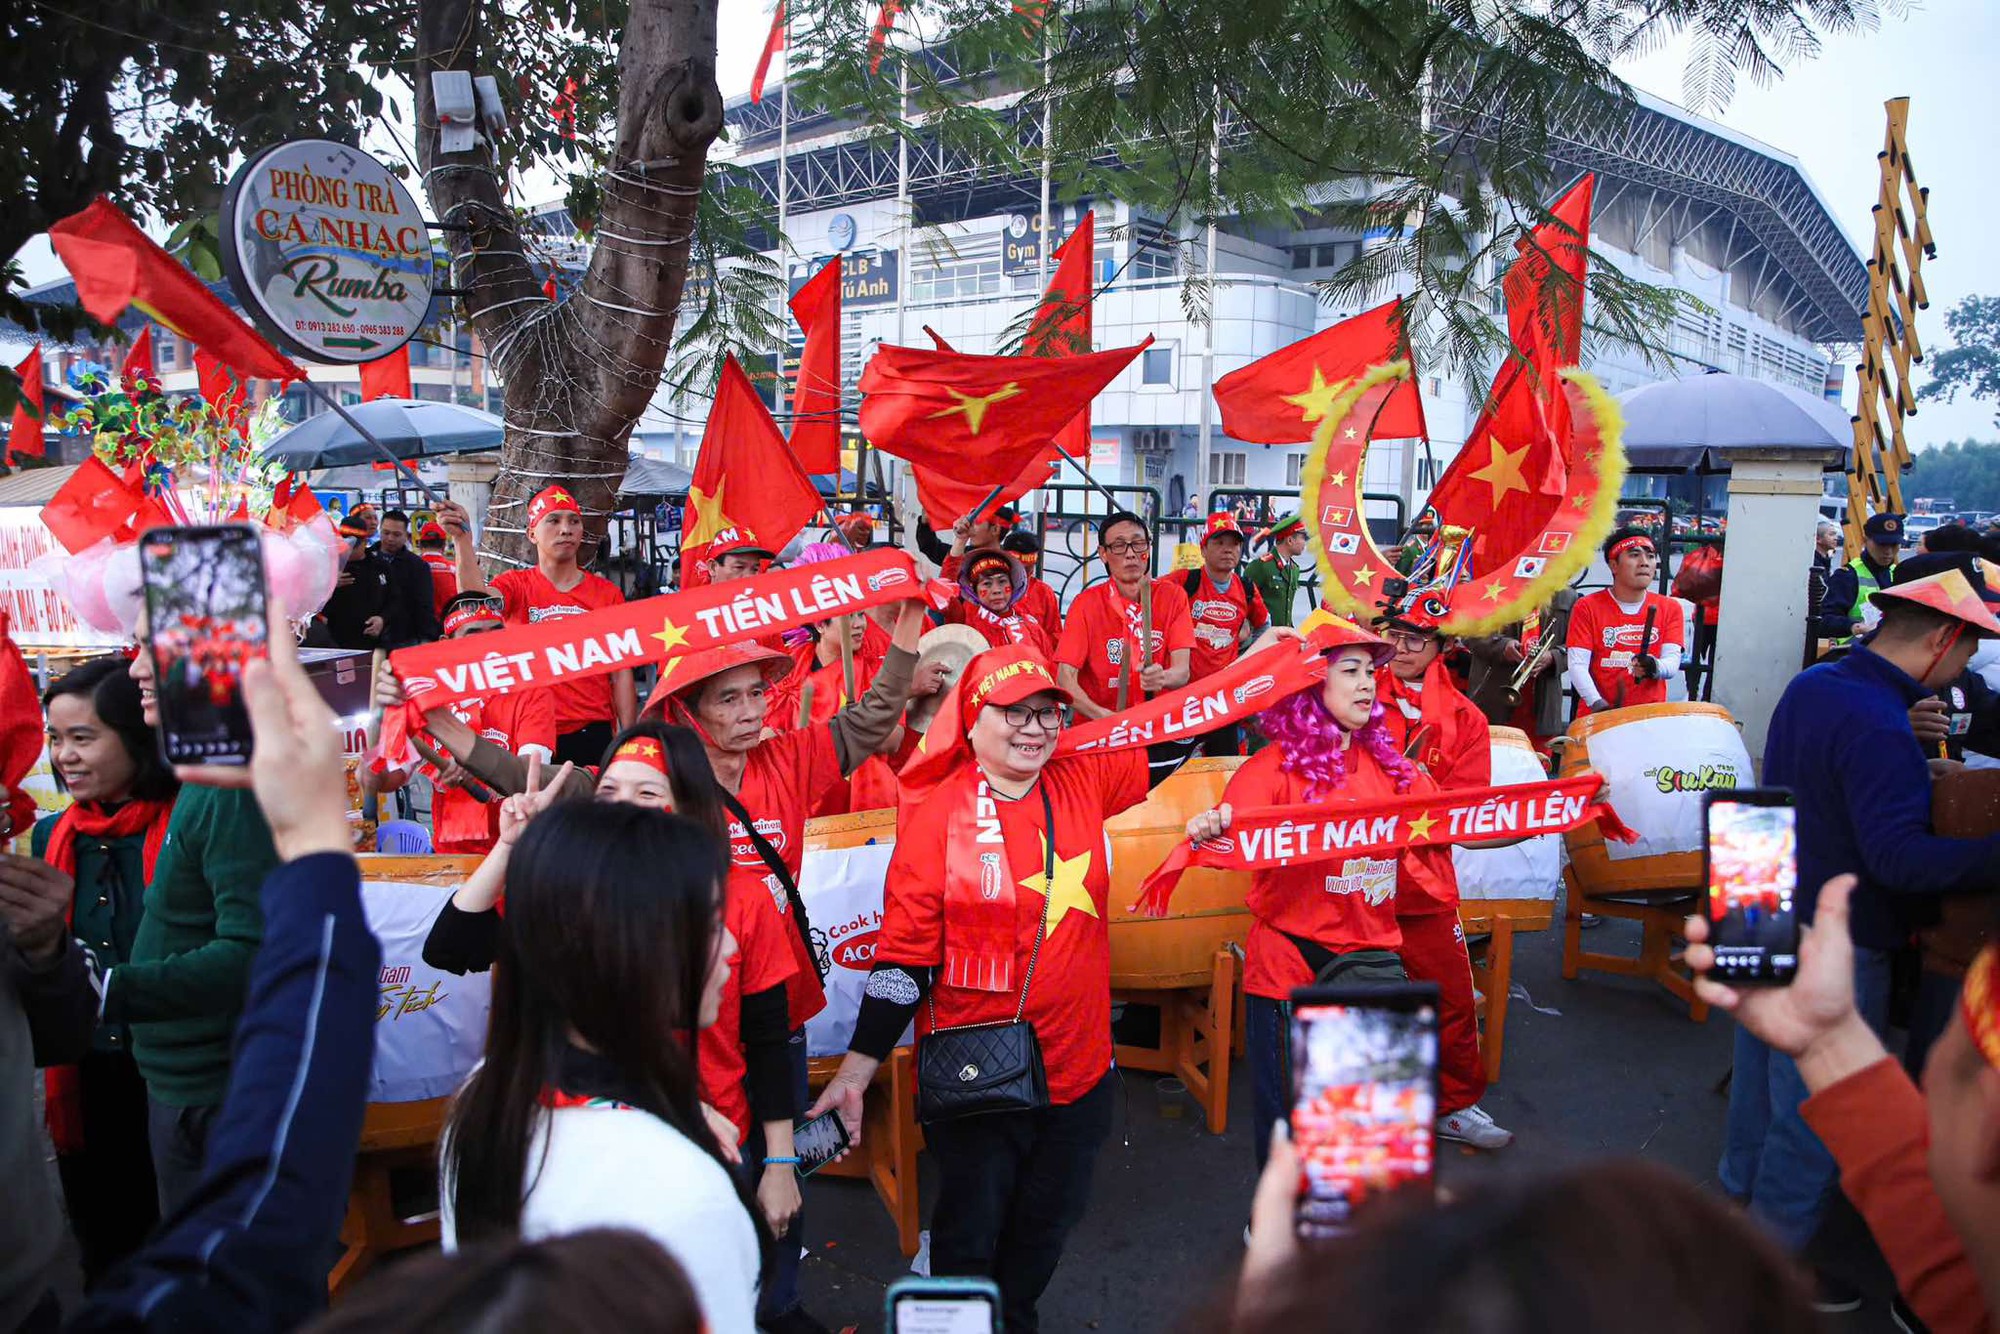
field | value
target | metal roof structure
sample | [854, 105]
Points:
[1695, 170]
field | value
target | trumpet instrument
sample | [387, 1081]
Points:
[1510, 694]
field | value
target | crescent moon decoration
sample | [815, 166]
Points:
[1352, 567]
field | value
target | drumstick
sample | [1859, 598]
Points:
[475, 789]
[1645, 639]
[805, 704]
[1146, 620]
[1124, 681]
[844, 625]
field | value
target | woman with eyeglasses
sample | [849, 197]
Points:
[1106, 624]
[105, 845]
[1319, 920]
[995, 913]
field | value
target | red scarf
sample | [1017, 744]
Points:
[63, 1108]
[1246, 687]
[978, 897]
[1436, 719]
[1267, 837]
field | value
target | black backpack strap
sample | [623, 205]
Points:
[771, 859]
[1316, 955]
[1191, 581]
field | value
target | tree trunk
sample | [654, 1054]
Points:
[578, 373]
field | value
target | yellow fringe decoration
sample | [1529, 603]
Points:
[1313, 474]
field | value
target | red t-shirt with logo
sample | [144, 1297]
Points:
[531, 599]
[1102, 625]
[462, 826]
[1069, 997]
[1343, 904]
[762, 961]
[1218, 620]
[1612, 635]
[785, 778]
[1040, 601]
[444, 581]
[873, 785]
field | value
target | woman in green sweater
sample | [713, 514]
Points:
[105, 844]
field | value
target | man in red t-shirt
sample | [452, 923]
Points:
[1105, 626]
[1226, 612]
[520, 723]
[1432, 722]
[431, 543]
[588, 712]
[1614, 663]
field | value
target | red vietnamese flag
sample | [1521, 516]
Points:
[978, 419]
[116, 265]
[92, 505]
[21, 734]
[139, 363]
[745, 475]
[1061, 327]
[1279, 399]
[387, 377]
[24, 434]
[1521, 441]
[816, 404]
[878, 40]
[772, 45]
[944, 498]
[222, 391]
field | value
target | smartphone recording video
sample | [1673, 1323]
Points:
[943, 1306]
[819, 1141]
[1751, 879]
[206, 616]
[1364, 1097]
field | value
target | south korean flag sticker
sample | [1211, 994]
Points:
[1345, 544]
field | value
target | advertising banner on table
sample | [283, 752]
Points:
[1532, 868]
[430, 1026]
[40, 616]
[1655, 772]
[843, 890]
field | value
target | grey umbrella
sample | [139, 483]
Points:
[411, 428]
[1700, 421]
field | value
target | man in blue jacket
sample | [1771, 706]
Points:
[1841, 740]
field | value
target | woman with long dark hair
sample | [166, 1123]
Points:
[1319, 919]
[586, 1111]
[122, 793]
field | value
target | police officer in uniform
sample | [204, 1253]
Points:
[1848, 588]
[1275, 574]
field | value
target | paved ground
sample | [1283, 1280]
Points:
[1619, 1070]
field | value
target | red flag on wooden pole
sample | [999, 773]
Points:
[816, 402]
[387, 377]
[772, 45]
[745, 475]
[1279, 399]
[116, 265]
[1061, 327]
[24, 433]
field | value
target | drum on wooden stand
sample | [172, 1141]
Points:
[1177, 950]
[1532, 868]
[1657, 760]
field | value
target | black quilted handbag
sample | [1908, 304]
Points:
[984, 1068]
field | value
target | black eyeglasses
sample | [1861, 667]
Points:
[1134, 547]
[1049, 716]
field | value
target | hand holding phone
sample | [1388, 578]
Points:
[1364, 1097]
[818, 1141]
[1750, 879]
[207, 614]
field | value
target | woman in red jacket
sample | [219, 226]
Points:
[1328, 746]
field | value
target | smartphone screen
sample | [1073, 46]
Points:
[943, 1306]
[205, 618]
[1364, 1097]
[819, 1141]
[1752, 877]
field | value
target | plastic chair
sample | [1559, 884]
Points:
[404, 838]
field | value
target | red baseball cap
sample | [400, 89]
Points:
[737, 540]
[1222, 525]
[999, 676]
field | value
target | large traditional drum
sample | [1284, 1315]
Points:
[430, 1026]
[1657, 760]
[1531, 869]
[1177, 950]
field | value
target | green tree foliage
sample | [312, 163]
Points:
[1966, 472]
[1973, 365]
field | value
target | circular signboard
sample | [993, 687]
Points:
[840, 232]
[327, 251]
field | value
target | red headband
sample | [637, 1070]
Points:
[1624, 545]
[640, 750]
[472, 613]
[551, 500]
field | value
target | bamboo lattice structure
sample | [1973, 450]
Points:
[1889, 332]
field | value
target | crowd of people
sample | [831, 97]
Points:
[185, 957]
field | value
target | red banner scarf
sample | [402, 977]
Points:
[1262, 838]
[598, 643]
[63, 1105]
[1247, 686]
[979, 898]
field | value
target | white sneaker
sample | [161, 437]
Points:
[1470, 1125]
